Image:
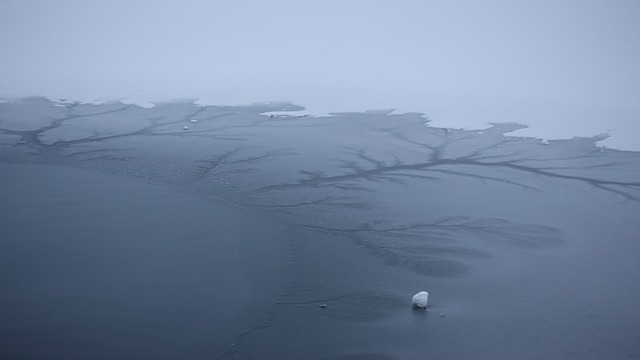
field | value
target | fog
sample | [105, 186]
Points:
[565, 68]
[277, 179]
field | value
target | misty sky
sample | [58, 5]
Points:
[565, 67]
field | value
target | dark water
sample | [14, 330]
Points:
[122, 235]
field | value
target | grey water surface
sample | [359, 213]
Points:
[247, 235]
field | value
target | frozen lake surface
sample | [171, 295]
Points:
[256, 236]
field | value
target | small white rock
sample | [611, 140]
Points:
[193, 121]
[420, 300]
[185, 127]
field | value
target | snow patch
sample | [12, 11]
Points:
[286, 114]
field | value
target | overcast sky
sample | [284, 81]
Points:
[565, 67]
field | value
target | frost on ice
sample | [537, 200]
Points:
[420, 300]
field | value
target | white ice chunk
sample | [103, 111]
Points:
[185, 127]
[420, 300]
[544, 142]
[194, 121]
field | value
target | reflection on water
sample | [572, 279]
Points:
[374, 206]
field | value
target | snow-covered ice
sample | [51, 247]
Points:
[420, 300]
[194, 121]
[186, 127]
